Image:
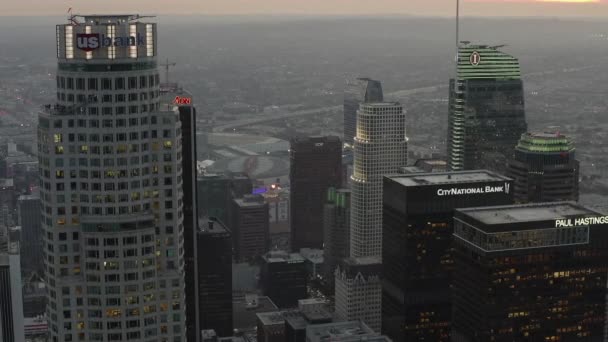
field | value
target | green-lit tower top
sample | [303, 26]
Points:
[545, 143]
[486, 62]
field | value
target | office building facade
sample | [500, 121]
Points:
[486, 109]
[534, 272]
[544, 168]
[249, 225]
[111, 166]
[417, 246]
[380, 148]
[360, 90]
[315, 166]
[336, 227]
[214, 271]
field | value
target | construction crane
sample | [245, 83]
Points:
[167, 65]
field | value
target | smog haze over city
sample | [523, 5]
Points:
[267, 60]
[303, 143]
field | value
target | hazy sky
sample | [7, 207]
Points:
[559, 8]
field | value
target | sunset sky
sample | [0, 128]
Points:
[559, 8]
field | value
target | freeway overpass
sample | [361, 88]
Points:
[266, 118]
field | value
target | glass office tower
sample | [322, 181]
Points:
[486, 109]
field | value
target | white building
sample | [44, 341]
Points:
[380, 148]
[112, 199]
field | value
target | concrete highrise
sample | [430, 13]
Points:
[315, 166]
[111, 165]
[544, 168]
[360, 90]
[486, 109]
[380, 149]
[249, 225]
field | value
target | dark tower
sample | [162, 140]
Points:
[316, 165]
[173, 95]
[486, 109]
[336, 226]
[417, 251]
[534, 272]
[544, 169]
[215, 277]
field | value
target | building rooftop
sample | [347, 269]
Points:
[453, 177]
[526, 213]
[363, 261]
[276, 317]
[250, 201]
[313, 255]
[382, 104]
[245, 310]
[282, 256]
[211, 226]
[341, 331]
[545, 142]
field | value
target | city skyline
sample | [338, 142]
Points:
[494, 8]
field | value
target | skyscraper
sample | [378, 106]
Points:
[336, 226]
[417, 250]
[534, 272]
[173, 96]
[380, 149]
[32, 237]
[544, 168]
[11, 301]
[486, 108]
[361, 90]
[315, 166]
[215, 277]
[112, 188]
[249, 226]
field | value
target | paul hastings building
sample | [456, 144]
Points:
[418, 246]
[534, 272]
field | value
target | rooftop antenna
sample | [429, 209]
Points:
[457, 24]
[72, 17]
[167, 65]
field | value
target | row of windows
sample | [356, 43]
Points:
[82, 123]
[107, 98]
[120, 110]
[117, 83]
[135, 196]
[85, 186]
[109, 137]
